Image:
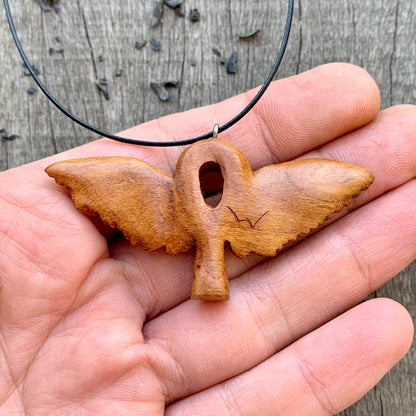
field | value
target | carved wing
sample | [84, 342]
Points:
[127, 194]
[290, 200]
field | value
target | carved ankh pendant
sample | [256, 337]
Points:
[254, 212]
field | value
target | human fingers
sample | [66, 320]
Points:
[55, 222]
[320, 374]
[295, 115]
[305, 111]
[279, 301]
[386, 147]
[27, 188]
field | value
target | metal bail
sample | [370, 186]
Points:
[215, 131]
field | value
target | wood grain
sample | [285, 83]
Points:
[375, 34]
[257, 212]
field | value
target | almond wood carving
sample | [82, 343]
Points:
[257, 212]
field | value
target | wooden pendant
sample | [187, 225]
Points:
[212, 198]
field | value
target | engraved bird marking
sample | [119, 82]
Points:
[252, 225]
[155, 209]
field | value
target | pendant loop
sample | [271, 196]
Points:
[215, 131]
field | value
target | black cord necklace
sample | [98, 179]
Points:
[212, 198]
[103, 133]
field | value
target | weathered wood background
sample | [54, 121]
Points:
[379, 35]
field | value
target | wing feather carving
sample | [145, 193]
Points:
[127, 194]
[291, 200]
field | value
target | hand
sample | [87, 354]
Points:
[96, 328]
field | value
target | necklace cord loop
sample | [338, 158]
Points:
[215, 131]
[103, 133]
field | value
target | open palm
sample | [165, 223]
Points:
[91, 325]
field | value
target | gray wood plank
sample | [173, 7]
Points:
[375, 34]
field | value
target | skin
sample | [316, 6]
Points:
[91, 328]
